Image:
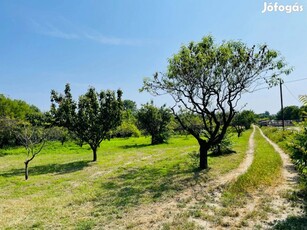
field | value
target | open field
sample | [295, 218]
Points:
[137, 186]
[66, 189]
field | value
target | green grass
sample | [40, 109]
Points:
[264, 171]
[279, 136]
[66, 190]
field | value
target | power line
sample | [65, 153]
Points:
[302, 79]
[291, 93]
[260, 89]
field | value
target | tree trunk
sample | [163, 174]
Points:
[26, 170]
[94, 153]
[203, 157]
[156, 139]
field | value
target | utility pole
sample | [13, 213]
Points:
[282, 105]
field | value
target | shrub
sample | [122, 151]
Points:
[127, 129]
[298, 147]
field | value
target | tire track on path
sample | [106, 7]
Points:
[152, 216]
[290, 180]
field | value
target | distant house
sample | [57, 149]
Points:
[276, 123]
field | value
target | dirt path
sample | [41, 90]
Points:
[266, 206]
[262, 209]
[152, 216]
[289, 173]
[243, 166]
[283, 207]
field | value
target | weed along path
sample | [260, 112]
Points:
[288, 185]
[259, 198]
[290, 176]
[244, 165]
[246, 197]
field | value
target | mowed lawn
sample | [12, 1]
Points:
[66, 190]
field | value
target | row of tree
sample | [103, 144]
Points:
[206, 81]
[158, 122]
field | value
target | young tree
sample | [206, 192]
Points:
[209, 79]
[243, 120]
[33, 139]
[92, 119]
[128, 126]
[155, 121]
[58, 134]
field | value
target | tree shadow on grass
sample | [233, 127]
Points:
[294, 222]
[136, 146]
[225, 152]
[49, 168]
[147, 184]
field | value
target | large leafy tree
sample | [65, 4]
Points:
[155, 121]
[291, 112]
[208, 79]
[92, 118]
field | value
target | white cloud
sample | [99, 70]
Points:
[52, 31]
[76, 33]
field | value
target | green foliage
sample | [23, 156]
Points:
[17, 109]
[92, 119]
[155, 121]
[279, 136]
[12, 114]
[294, 142]
[8, 129]
[291, 223]
[298, 148]
[265, 115]
[129, 105]
[290, 113]
[303, 99]
[243, 120]
[191, 120]
[225, 147]
[303, 112]
[208, 79]
[303, 109]
[58, 134]
[127, 129]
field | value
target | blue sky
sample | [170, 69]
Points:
[115, 44]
